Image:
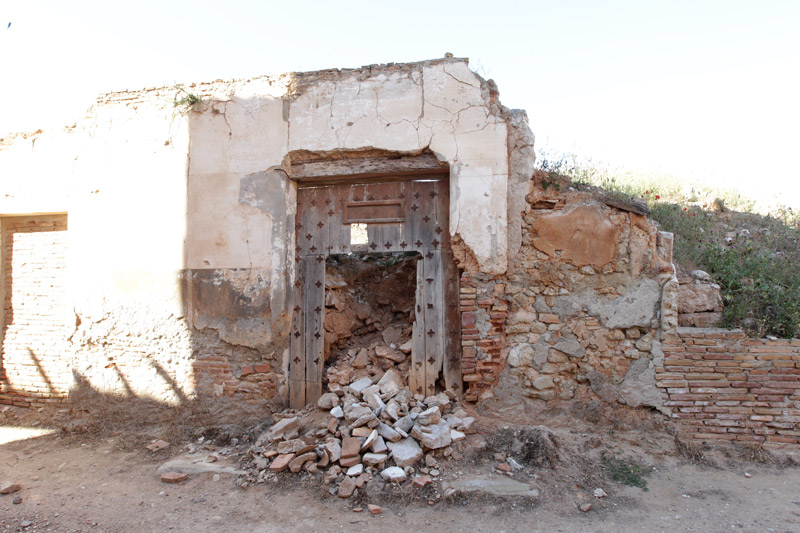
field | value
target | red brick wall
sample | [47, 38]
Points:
[483, 353]
[35, 360]
[722, 386]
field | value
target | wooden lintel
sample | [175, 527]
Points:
[333, 170]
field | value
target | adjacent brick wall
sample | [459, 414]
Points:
[724, 387]
[35, 360]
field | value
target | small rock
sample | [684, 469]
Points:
[347, 462]
[281, 462]
[371, 438]
[586, 507]
[328, 401]
[362, 359]
[296, 464]
[25, 523]
[361, 384]
[405, 452]
[285, 429]
[173, 477]
[388, 433]
[8, 488]
[334, 450]
[347, 487]
[17, 500]
[355, 470]
[374, 509]
[599, 493]
[405, 347]
[422, 481]
[393, 473]
[337, 412]
[504, 467]
[157, 445]
[350, 446]
[379, 446]
[372, 459]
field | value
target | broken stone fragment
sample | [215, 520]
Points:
[355, 470]
[337, 412]
[281, 462]
[347, 487]
[374, 401]
[393, 473]
[173, 477]
[405, 347]
[370, 440]
[362, 359]
[374, 509]
[388, 433]
[370, 420]
[379, 446]
[347, 462]
[285, 429]
[387, 353]
[334, 450]
[350, 446]
[328, 401]
[456, 435]
[422, 481]
[391, 382]
[296, 464]
[467, 424]
[361, 384]
[290, 446]
[405, 452]
[373, 459]
[433, 436]
[362, 432]
[429, 416]
[404, 424]
[10, 487]
[157, 445]
[357, 411]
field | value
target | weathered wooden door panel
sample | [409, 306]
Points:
[401, 216]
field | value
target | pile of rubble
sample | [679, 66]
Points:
[371, 429]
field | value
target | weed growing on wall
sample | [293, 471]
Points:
[184, 99]
[755, 258]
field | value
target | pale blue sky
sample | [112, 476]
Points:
[702, 88]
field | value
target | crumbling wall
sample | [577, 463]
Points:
[580, 311]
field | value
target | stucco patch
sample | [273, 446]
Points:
[582, 234]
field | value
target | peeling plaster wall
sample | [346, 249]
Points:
[182, 220]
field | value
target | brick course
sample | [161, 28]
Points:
[722, 386]
[35, 364]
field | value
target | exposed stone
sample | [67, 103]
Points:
[8, 488]
[296, 464]
[337, 412]
[328, 401]
[355, 470]
[433, 436]
[281, 462]
[391, 382]
[334, 450]
[372, 459]
[171, 477]
[388, 353]
[388, 433]
[362, 359]
[361, 384]
[394, 474]
[374, 509]
[405, 452]
[285, 429]
[429, 416]
[581, 232]
[347, 487]
[422, 481]
[350, 446]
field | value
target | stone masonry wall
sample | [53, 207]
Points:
[724, 387]
[34, 362]
[577, 318]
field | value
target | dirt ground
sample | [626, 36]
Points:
[107, 481]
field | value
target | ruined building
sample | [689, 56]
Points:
[233, 246]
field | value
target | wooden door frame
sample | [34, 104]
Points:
[437, 345]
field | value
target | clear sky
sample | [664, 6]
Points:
[703, 88]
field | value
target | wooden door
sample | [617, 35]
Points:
[400, 216]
